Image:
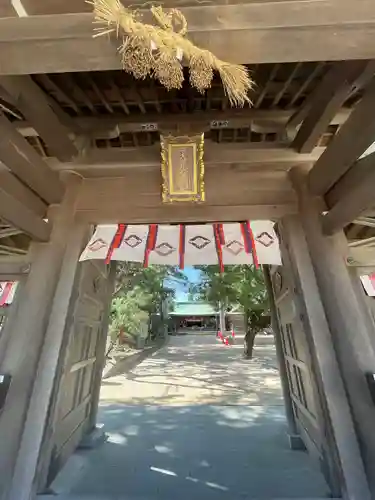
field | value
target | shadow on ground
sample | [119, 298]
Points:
[204, 452]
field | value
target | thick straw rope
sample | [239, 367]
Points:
[157, 51]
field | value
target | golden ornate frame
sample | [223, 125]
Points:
[170, 192]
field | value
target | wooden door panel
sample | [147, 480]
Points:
[85, 329]
[297, 359]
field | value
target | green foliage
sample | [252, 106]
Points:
[241, 285]
[126, 316]
[139, 292]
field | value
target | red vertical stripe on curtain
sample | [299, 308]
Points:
[249, 241]
[245, 237]
[151, 242]
[219, 249]
[116, 241]
[253, 248]
[220, 229]
[181, 250]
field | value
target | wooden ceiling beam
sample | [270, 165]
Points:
[35, 106]
[351, 196]
[112, 125]
[278, 31]
[360, 170]
[22, 159]
[350, 142]
[19, 216]
[327, 99]
[107, 127]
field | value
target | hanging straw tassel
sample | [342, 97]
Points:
[164, 62]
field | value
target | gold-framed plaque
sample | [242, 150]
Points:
[182, 168]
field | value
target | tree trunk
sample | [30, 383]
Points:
[249, 338]
[249, 343]
[222, 318]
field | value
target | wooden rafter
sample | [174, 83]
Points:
[7, 232]
[286, 84]
[351, 196]
[22, 218]
[22, 159]
[22, 193]
[35, 106]
[57, 91]
[265, 86]
[350, 142]
[279, 32]
[314, 74]
[327, 99]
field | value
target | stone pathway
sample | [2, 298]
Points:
[195, 420]
[196, 369]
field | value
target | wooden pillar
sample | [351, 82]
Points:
[26, 352]
[292, 427]
[336, 421]
[350, 325]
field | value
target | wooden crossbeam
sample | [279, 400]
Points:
[278, 32]
[351, 196]
[111, 162]
[112, 126]
[350, 142]
[327, 99]
[13, 267]
[16, 214]
[180, 214]
[35, 106]
[229, 196]
[22, 159]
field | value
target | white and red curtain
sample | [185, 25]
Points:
[7, 292]
[368, 282]
[250, 242]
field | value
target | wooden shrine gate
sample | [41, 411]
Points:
[80, 146]
[76, 394]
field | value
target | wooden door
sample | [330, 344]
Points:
[76, 392]
[306, 389]
[302, 386]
